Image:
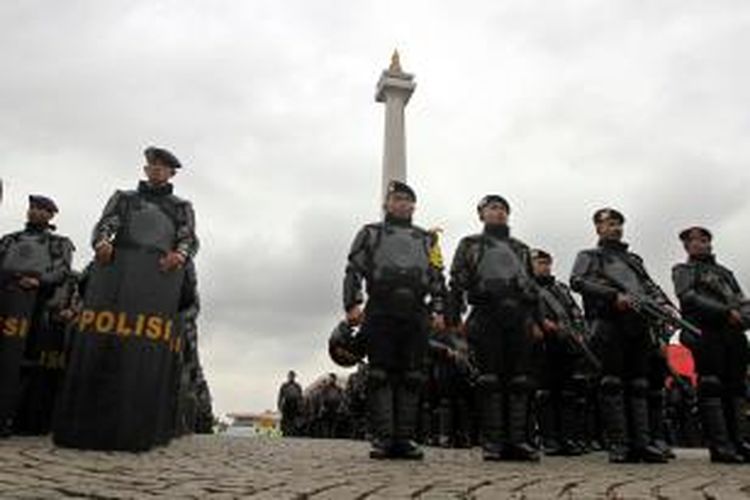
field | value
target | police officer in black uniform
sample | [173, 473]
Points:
[712, 299]
[564, 373]
[393, 259]
[289, 404]
[608, 277]
[492, 271]
[37, 260]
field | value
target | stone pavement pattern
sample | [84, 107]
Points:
[221, 467]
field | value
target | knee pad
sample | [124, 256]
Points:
[638, 387]
[376, 378]
[488, 382]
[543, 396]
[655, 394]
[710, 386]
[520, 384]
[611, 385]
[578, 384]
[414, 380]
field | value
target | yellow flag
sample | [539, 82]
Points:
[436, 255]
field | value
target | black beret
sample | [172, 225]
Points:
[608, 213]
[43, 202]
[493, 198]
[538, 253]
[159, 155]
[690, 232]
[401, 187]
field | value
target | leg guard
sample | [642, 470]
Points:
[710, 391]
[639, 424]
[492, 416]
[406, 411]
[613, 417]
[518, 412]
[380, 412]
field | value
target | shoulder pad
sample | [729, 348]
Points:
[682, 265]
[173, 198]
[13, 235]
[636, 257]
[724, 268]
[518, 243]
[422, 231]
[63, 241]
[591, 252]
[473, 238]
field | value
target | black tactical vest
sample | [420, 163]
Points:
[621, 273]
[147, 224]
[713, 281]
[499, 271]
[400, 265]
[29, 253]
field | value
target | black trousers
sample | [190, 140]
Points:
[500, 342]
[623, 344]
[723, 353]
[396, 343]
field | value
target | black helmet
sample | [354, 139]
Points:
[345, 348]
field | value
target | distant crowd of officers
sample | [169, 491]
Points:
[123, 390]
[516, 365]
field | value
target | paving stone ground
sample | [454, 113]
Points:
[223, 467]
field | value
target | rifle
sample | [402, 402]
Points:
[462, 361]
[570, 332]
[654, 312]
[657, 314]
[649, 309]
[576, 339]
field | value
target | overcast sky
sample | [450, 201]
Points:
[561, 106]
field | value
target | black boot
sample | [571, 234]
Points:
[6, 428]
[548, 423]
[518, 447]
[445, 424]
[406, 411]
[735, 418]
[492, 417]
[642, 449]
[715, 429]
[572, 416]
[613, 417]
[427, 416]
[380, 402]
[657, 423]
[462, 424]
[594, 435]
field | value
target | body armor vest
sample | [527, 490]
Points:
[149, 226]
[30, 253]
